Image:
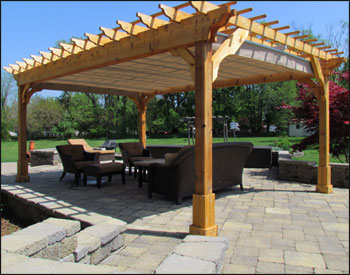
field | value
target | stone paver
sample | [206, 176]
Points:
[272, 226]
[238, 269]
[271, 255]
[270, 268]
[304, 259]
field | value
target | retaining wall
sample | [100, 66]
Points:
[60, 240]
[44, 157]
[306, 171]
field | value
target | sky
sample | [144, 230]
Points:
[28, 27]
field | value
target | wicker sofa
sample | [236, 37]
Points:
[176, 178]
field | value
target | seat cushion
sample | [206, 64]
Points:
[104, 152]
[81, 164]
[133, 159]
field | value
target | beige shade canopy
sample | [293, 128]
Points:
[165, 72]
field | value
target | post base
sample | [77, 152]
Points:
[22, 171]
[204, 215]
[22, 178]
[324, 188]
[324, 180]
[209, 231]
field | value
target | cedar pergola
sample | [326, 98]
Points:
[215, 46]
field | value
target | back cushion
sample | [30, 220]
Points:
[66, 149]
[74, 141]
[77, 152]
[169, 157]
[134, 149]
[185, 148]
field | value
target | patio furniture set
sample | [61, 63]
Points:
[171, 172]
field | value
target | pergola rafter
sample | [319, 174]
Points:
[176, 15]
[215, 46]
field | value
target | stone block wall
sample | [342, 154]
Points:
[340, 174]
[306, 171]
[44, 157]
[61, 240]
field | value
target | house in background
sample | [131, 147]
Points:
[48, 132]
[297, 129]
[13, 134]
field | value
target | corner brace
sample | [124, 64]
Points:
[229, 47]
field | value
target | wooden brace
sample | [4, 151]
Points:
[141, 101]
[229, 47]
[186, 55]
[27, 93]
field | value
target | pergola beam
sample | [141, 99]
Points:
[268, 78]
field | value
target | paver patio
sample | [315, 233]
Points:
[273, 226]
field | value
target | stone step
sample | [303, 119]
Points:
[195, 255]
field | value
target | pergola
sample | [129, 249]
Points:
[215, 46]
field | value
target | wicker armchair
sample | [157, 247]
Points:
[74, 159]
[133, 151]
[100, 154]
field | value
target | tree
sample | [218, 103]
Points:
[43, 115]
[255, 107]
[339, 116]
[165, 112]
[79, 115]
[338, 36]
[276, 94]
[8, 114]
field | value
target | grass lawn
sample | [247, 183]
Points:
[9, 149]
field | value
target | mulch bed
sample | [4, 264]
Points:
[7, 227]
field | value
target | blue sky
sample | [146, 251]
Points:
[28, 27]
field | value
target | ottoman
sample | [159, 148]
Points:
[104, 169]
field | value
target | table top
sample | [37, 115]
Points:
[146, 163]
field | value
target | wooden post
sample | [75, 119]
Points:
[142, 124]
[141, 103]
[324, 170]
[22, 164]
[322, 94]
[204, 198]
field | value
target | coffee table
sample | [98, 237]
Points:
[142, 166]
